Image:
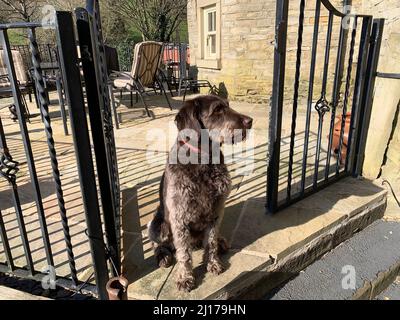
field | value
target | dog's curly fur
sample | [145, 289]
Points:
[192, 196]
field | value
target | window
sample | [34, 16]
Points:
[208, 13]
[210, 32]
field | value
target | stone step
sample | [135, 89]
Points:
[360, 268]
[13, 294]
[267, 250]
[392, 292]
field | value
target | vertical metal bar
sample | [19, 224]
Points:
[27, 144]
[44, 108]
[275, 119]
[358, 86]
[183, 64]
[72, 84]
[322, 105]
[6, 244]
[49, 52]
[113, 105]
[96, 124]
[346, 95]
[21, 225]
[367, 95]
[8, 170]
[3, 232]
[61, 102]
[310, 95]
[327, 54]
[335, 94]
[295, 99]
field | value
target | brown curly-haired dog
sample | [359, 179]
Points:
[192, 196]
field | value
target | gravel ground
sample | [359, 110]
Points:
[34, 287]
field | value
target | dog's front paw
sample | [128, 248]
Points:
[164, 257]
[215, 267]
[186, 284]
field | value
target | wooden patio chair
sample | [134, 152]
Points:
[145, 76]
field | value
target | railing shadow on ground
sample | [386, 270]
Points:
[143, 199]
[139, 183]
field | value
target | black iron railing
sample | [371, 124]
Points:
[48, 53]
[104, 244]
[351, 115]
[176, 61]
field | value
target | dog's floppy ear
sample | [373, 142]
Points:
[218, 106]
[187, 117]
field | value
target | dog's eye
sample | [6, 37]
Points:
[218, 109]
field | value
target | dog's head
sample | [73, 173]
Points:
[214, 114]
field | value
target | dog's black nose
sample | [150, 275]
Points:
[248, 122]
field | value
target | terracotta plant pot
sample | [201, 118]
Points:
[336, 137]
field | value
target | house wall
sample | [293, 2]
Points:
[386, 96]
[247, 36]
[247, 27]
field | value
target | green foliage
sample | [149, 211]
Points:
[125, 52]
[182, 33]
[157, 20]
[122, 23]
[17, 37]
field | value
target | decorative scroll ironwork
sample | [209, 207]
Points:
[8, 167]
[322, 106]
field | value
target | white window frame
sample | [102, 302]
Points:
[207, 33]
[206, 59]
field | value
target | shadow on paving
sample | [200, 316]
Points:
[245, 221]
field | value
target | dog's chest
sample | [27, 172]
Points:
[211, 183]
[199, 192]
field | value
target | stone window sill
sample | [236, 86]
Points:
[209, 64]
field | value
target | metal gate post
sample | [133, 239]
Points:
[358, 89]
[93, 9]
[72, 81]
[275, 120]
[367, 95]
[96, 124]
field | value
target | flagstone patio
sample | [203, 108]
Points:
[257, 239]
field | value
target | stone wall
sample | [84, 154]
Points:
[386, 96]
[247, 36]
[247, 29]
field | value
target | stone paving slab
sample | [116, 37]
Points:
[141, 160]
[258, 240]
[160, 283]
[12, 294]
[280, 234]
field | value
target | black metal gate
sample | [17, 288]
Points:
[350, 100]
[100, 193]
